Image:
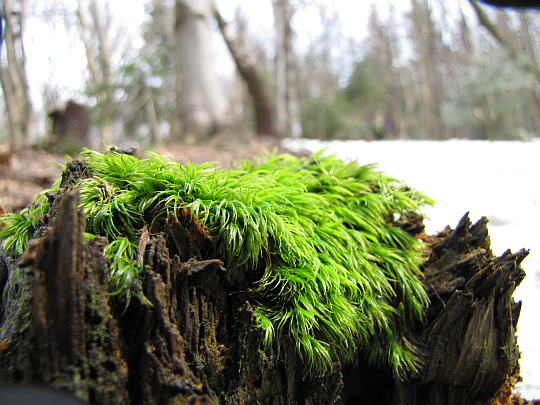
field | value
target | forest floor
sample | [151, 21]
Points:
[27, 172]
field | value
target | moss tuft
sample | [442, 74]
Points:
[340, 279]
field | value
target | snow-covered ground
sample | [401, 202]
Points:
[499, 180]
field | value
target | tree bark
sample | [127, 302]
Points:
[425, 40]
[383, 40]
[200, 98]
[99, 58]
[196, 339]
[13, 76]
[287, 109]
[150, 109]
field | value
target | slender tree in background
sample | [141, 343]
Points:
[465, 35]
[264, 114]
[526, 55]
[199, 97]
[384, 49]
[287, 110]
[426, 38]
[141, 116]
[492, 92]
[254, 48]
[158, 72]
[530, 47]
[147, 80]
[366, 90]
[426, 84]
[13, 75]
[323, 109]
[94, 34]
[381, 85]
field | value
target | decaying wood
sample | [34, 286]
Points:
[72, 341]
[471, 333]
[70, 127]
[196, 339]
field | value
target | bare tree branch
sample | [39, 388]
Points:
[503, 39]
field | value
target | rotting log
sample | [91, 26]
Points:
[470, 338]
[196, 339]
[71, 340]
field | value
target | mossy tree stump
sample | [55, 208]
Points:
[196, 340]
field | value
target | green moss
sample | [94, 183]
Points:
[340, 280]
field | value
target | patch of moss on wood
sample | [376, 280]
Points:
[177, 304]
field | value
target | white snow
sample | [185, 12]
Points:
[499, 180]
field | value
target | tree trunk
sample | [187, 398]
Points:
[425, 40]
[527, 57]
[13, 76]
[196, 341]
[264, 114]
[383, 47]
[150, 108]
[287, 110]
[200, 98]
[99, 58]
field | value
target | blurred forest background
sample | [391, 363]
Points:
[432, 70]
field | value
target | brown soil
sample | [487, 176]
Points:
[24, 174]
[27, 172]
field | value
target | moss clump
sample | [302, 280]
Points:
[339, 278]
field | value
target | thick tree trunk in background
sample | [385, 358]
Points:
[199, 96]
[197, 342]
[264, 114]
[13, 76]
[287, 109]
